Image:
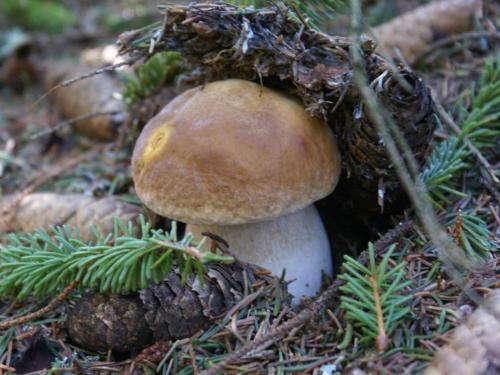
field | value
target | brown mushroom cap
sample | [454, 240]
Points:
[233, 152]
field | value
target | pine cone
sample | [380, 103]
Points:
[474, 348]
[42, 210]
[369, 175]
[85, 97]
[413, 31]
[167, 311]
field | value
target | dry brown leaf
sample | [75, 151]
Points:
[474, 348]
[413, 32]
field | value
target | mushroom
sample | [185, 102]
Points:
[246, 163]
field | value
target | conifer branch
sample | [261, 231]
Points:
[443, 166]
[479, 130]
[43, 264]
[373, 297]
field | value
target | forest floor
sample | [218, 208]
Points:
[43, 150]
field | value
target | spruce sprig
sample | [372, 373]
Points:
[491, 72]
[375, 297]
[481, 126]
[43, 264]
[443, 166]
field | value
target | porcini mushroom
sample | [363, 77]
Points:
[246, 163]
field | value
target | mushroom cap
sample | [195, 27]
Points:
[233, 152]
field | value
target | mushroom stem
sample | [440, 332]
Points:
[296, 242]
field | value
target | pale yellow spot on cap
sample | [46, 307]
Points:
[157, 141]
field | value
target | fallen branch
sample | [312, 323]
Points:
[387, 240]
[71, 122]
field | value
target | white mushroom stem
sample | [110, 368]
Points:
[296, 242]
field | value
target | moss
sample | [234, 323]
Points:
[38, 15]
[160, 69]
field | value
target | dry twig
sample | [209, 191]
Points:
[80, 101]
[109, 68]
[71, 122]
[43, 311]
